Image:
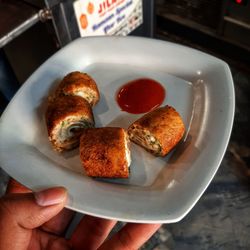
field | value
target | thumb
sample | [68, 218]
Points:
[29, 210]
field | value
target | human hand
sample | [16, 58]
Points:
[38, 221]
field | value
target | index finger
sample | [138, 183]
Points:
[16, 187]
[131, 236]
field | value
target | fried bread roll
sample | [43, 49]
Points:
[104, 152]
[66, 118]
[158, 131]
[79, 84]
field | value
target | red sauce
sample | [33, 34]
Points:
[140, 96]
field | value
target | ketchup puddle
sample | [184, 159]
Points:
[140, 96]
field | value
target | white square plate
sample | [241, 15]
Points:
[198, 86]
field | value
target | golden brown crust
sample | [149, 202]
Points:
[165, 124]
[103, 152]
[64, 106]
[59, 110]
[76, 82]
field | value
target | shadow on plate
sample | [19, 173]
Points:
[177, 166]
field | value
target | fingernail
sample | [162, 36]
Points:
[51, 196]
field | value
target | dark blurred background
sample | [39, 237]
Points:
[32, 30]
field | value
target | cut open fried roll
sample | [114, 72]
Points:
[104, 152]
[79, 84]
[66, 118]
[158, 131]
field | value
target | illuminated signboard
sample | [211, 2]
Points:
[108, 17]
